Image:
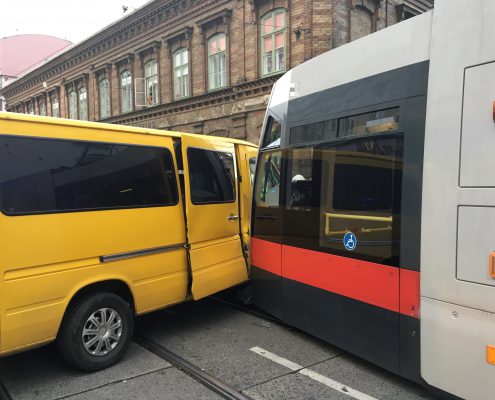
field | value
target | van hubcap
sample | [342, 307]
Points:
[102, 332]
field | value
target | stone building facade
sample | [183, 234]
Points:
[201, 66]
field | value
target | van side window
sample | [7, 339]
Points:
[211, 176]
[47, 176]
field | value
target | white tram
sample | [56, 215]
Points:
[374, 203]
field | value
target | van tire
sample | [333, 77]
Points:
[113, 336]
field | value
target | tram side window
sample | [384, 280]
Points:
[303, 179]
[267, 189]
[271, 137]
[315, 132]
[211, 176]
[372, 122]
[361, 192]
[48, 175]
[379, 121]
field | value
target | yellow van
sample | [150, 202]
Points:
[103, 222]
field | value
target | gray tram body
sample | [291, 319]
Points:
[440, 68]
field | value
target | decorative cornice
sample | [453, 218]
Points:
[125, 59]
[98, 69]
[233, 93]
[224, 15]
[148, 48]
[185, 32]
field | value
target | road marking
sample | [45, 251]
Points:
[279, 360]
[356, 394]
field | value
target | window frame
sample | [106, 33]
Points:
[179, 80]
[104, 83]
[263, 66]
[234, 186]
[82, 104]
[126, 95]
[72, 99]
[151, 85]
[217, 57]
[42, 107]
[270, 121]
[260, 179]
[54, 101]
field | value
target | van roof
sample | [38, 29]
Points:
[108, 127]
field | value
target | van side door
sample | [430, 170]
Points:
[212, 211]
[246, 156]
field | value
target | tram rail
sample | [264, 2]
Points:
[206, 379]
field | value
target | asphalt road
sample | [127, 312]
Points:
[253, 355]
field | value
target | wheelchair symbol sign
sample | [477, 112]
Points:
[350, 241]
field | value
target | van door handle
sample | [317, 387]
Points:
[267, 217]
[233, 217]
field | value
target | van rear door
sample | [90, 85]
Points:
[212, 210]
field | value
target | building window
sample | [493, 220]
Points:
[181, 73]
[82, 96]
[151, 82]
[55, 108]
[30, 109]
[217, 61]
[273, 42]
[126, 91]
[72, 104]
[104, 92]
[42, 107]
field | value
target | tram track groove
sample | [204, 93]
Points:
[4, 393]
[211, 382]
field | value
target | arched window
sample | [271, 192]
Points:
[181, 73]
[126, 91]
[151, 82]
[55, 107]
[273, 42]
[217, 61]
[42, 107]
[31, 108]
[82, 96]
[104, 92]
[72, 97]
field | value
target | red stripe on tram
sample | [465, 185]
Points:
[371, 283]
[392, 288]
[266, 255]
[409, 293]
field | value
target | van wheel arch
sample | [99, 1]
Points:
[117, 287]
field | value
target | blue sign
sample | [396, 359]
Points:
[350, 241]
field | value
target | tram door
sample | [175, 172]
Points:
[266, 243]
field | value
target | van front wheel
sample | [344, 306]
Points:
[96, 331]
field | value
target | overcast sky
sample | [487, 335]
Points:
[73, 20]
